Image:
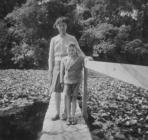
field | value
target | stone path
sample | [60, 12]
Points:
[58, 130]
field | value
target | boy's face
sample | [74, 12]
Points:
[62, 27]
[71, 51]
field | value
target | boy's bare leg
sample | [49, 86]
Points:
[65, 112]
[74, 105]
[68, 106]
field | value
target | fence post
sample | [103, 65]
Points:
[84, 96]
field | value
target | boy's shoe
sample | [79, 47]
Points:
[68, 122]
[73, 121]
[64, 117]
[56, 117]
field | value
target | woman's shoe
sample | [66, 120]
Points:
[56, 117]
[73, 121]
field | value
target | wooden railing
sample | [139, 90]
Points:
[133, 74]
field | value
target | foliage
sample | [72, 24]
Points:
[112, 23]
[116, 43]
[5, 48]
[119, 12]
[23, 55]
[7, 6]
[117, 110]
[21, 86]
[136, 52]
[3, 40]
[102, 35]
[32, 24]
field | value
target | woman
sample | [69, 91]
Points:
[58, 49]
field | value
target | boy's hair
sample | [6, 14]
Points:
[73, 46]
[60, 20]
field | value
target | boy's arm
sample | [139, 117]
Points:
[83, 62]
[62, 71]
[81, 53]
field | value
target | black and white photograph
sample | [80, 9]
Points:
[73, 69]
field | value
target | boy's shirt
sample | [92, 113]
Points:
[71, 70]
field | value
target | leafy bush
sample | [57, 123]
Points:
[5, 47]
[109, 50]
[3, 40]
[94, 22]
[7, 6]
[124, 32]
[136, 52]
[132, 45]
[101, 35]
[31, 27]
[23, 55]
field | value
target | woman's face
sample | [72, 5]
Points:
[62, 27]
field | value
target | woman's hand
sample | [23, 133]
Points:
[50, 78]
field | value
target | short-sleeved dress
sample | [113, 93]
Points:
[58, 49]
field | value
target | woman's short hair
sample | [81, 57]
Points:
[60, 20]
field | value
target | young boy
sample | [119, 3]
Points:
[70, 78]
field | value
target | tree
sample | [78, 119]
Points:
[31, 24]
[7, 6]
[5, 54]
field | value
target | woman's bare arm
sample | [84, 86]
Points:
[51, 60]
[62, 71]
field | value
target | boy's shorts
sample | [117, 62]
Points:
[71, 89]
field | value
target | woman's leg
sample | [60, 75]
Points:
[58, 102]
[64, 115]
[57, 106]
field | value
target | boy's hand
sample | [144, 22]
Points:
[62, 85]
[88, 58]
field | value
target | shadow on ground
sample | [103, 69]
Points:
[22, 122]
